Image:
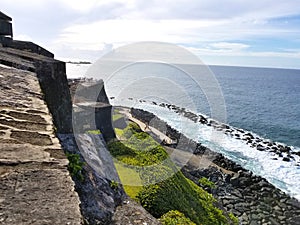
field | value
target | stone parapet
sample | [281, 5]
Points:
[36, 187]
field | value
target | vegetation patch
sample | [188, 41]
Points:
[94, 132]
[75, 166]
[179, 193]
[130, 179]
[114, 185]
[161, 187]
[175, 217]
[116, 116]
[204, 182]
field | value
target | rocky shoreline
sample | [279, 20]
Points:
[279, 151]
[251, 198]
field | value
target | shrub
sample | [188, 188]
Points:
[179, 193]
[135, 127]
[204, 182]
[117, 148]
[234, 219]
[75, 166]
[114, 185]
[175, 217]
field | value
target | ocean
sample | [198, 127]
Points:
[263, 101]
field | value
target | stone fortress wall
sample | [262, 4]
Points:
[36, 187]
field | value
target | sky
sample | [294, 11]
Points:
[261, 33]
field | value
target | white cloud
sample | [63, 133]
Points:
[89, 5]
[126, 31]
[219, 27]
[229, 46]
[222, 52]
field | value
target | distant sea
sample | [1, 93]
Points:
[264, 101]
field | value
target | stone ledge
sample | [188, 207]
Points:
[38, 197]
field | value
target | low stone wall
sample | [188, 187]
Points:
[25, 46]
[52, 79]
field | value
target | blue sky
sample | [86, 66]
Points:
[229, 32]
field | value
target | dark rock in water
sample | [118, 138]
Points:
[213, 122]
[270, 144]
[260, 148]
[285, 149]
[286, 159]
[203, 120]
[279, 154]
[154, 103]
[296, 153]
[199, 150]
[225, 126]
[240, 130]
[249, 135]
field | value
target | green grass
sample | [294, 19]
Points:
[130, 179]
[141, 160]
[119, 132]
[94, 132]
[116, 116]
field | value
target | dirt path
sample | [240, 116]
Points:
[161, 136]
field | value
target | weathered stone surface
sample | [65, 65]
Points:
[36, 187]
[132, 213]
[98, 198]
[38, 196]
[52, 80]
[91, 109]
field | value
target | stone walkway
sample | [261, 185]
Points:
[36, 187]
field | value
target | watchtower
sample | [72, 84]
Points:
[6, 30]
